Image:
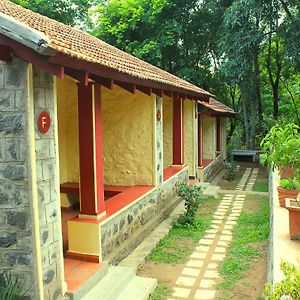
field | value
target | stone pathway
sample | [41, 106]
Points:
[198, 277]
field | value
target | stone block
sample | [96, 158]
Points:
[7, 100]
[52, 148]
[49, 275]
[39, 171]
[54, 252]
[49, 97]
[12, 149]
[24, 240]
[39, 97]
[44, 195]
[51, 212]
[45, 257]
[42, 148]
[46, 235]
[18, 258]
[13, 172]
[21, 99]
[8, 240]
[2, 149]
[48, 169]
[18, 219]
[12, 124]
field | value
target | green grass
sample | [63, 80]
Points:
[160, 293]
[181, 240]
[261, 186]
[250, 228]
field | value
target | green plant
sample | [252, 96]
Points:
[10, 287]
[191, 196]
[161, 292]
[290, 184]
[288, 287]
[281, 147]
[230, 170]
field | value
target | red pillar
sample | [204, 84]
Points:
[200, 141]
[90, 150]
[178, 131]
[218, 135]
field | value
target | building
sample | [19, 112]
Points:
[93, 144]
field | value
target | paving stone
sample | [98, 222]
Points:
[205, 242]
[218, 217]
[202, 248]
[211, 274]
[212, 231]
[216, 221]
[212, 266]
[205, 294]
[190, 272]
[214, 226]
[230, 218]
[207, 283]
[222, 243]
[226, 232]
[226, 238]
[228, 227]
[234, 215]
[185, 281]
[218, 257]
[220, 250]
[199, 255]
[209, 236]
[194, 263]
[230, 222]
[181, 292]
[229, 195]
[219, 213]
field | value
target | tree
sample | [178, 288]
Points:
[71, 12]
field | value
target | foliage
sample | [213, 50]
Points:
[230, 170]
[281, 147]
[160, 293]
[290, 184]
[10, 287]
[288, 287]
[71, 12]
[191, 196]
[250, 228]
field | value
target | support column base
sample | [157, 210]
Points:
[84, 239]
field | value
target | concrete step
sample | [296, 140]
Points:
[211, 191]
[89, 284]
[112, 285]
[139, 288]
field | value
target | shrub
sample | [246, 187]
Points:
[10, 287]
[230, 169]
[290, 184]
[192, 198]
[288, 288]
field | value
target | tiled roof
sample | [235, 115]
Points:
[217, 107]
[80, 45]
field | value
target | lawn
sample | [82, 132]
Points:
[250, 238]
[181, 240]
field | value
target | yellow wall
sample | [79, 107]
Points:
[68, 141]
[168, 131]
[128, 137]
[189, 135]
[209, 138]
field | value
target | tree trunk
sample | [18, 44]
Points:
[245, 115]
[258, 99]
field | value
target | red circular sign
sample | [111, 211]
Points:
[44, 122]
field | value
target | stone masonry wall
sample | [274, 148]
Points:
[124, 232]
[16, 241]
[47, 184]
[214, 168]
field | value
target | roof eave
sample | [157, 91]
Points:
[25, 35]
